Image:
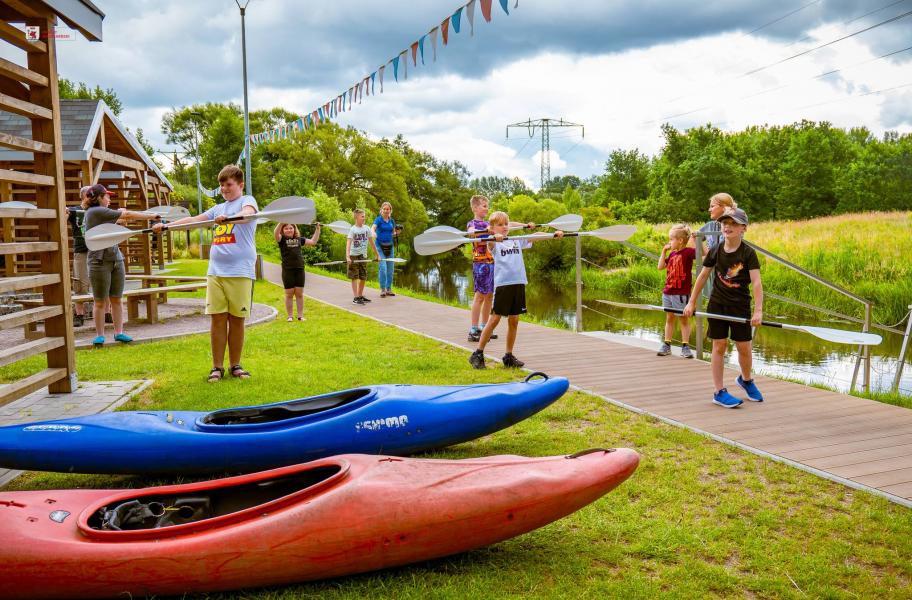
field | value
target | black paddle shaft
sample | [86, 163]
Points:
[679, 311]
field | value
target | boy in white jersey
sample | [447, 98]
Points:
[509, 288]
[356, 248]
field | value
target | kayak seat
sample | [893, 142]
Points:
[160, 511]
[281, 412]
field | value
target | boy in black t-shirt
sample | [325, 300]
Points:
[734, 268]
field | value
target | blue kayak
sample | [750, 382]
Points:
[387, 419]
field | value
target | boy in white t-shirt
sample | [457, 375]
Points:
[356, 249]
[509, 288]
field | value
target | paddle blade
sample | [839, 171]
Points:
[447, 229]
[842, 336]
[169, 213]
[106, 235]
[17, 204]
[566, 223]
[340, 227]
[436, 242]
[296, 210]
[615, 233]
[395, 259]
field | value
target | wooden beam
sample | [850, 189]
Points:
[16, 37]
[14, 71]
[26, 109]
[20, 143]
[30, 315]
[26, 178]
[22, 351]
[27, 282]
[24, 387]
[27, 213]
[51, 165]
[23, 247]
[96, 175]
[117, 159]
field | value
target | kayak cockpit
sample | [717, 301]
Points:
[164, 513]
[272, 413]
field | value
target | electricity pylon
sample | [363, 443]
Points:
[545, 125]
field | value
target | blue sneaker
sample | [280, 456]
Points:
[753, 393]
[98, 341]
[723, 398]
[123, 337]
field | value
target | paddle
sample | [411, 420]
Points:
[166, 213]
[435, 242]
[395, 259]
[340, 227]
[17, 204]
[839, 336]
[569, 222]
[292, 209]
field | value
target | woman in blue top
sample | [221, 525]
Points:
[384, 228]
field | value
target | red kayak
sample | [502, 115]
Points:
[336, 516]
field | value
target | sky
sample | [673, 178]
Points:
[621, 69]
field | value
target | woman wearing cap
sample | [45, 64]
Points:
[106, 267]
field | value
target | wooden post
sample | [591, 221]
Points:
[52, 197]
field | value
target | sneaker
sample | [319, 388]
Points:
[664, 349]
[686, 352]
[78, 320]
[98, 341]
[390, 293]
[723, 398]
[123, 337]
[512, 362]
[383, 294]
[753, 393]
[357, 300]
[493, 336]
[109, 318]
[365, 299]
[474, 335]
[477, 359]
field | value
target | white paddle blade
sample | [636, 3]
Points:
[17, 204]
[842, 336]
[566, 223]
[447, 229]
[106, 235]
[296, 210]
[436, 242]
[340, 227]
[614, 233]
[395, 259]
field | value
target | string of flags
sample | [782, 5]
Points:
[367, 86]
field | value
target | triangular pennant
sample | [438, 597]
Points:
[374, 83]
[415, 54]
[351, 91]
[470, 14]
[445, 30]
[486, 10]
[503, 5]
[404, 65]
[395, 62]
[433, 34]
[320, 114]
[301, 124]
[421, 48]
[381, 70]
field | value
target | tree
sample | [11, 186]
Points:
[626, 177]
[491, 185]
[80, 91]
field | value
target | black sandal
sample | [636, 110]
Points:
[215, 374]
[239, 372]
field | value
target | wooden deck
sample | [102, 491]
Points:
[860, 443]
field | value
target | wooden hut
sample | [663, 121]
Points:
[28, 88]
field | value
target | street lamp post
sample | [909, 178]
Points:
[247, 177]
[199, 186]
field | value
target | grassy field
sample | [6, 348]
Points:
[698, 519]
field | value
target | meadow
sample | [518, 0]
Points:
[698, 518]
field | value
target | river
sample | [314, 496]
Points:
[778, 352]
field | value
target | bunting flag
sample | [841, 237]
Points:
[486, 10]
[368, 85]
[470, 15]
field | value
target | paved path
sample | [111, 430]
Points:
[860, 443]
[91, 397]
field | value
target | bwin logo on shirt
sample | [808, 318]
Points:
[509, 251]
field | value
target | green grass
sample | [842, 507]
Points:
[698, 519]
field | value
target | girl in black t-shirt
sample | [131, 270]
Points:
[291, 244]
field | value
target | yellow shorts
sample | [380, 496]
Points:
[230, 295]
